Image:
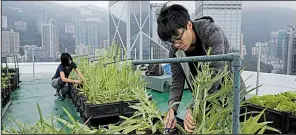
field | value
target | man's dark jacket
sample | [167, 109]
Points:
[211, 36]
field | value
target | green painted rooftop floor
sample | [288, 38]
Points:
[24, 109]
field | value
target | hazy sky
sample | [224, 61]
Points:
[190, 4]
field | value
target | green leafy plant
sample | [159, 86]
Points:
[112, 82]
[281, 102]
[43, 126]
[4, 82]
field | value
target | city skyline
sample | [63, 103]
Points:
[189, 4]
[142, 41]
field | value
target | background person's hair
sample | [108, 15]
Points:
[170, 19]
[69, 56]
[65, 59]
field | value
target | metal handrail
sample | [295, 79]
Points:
[236, 65]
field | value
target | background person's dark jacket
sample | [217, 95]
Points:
[211, 36]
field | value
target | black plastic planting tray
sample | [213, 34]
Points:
[102, 110]
[82, 100]
[101, 114]
[6, 91]
[291, 125]
[5, 100]
[283, 121]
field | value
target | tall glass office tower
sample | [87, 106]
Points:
[129, 27]
[228, 15]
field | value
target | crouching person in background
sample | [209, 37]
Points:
[61, 81]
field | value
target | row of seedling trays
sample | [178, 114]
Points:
[284, 121]
[100, 114]
[10, 85]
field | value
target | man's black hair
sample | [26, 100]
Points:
[170, 19]
[65, 59]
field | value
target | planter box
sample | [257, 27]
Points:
[292, 125]
[6, 91]
[82, 100]
[126, 110]
[5, 100]
[3, 93]
[104, 114]
[78, 102]
[282, 121]
[102, 110]
[76, 97]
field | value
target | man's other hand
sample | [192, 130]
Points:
[189, 125]
[170, 121]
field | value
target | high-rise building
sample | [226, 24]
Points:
[69, 28]
[42, 18]
[286, 50]
[87, 32]
[56, 41]
[4, 22]
[273, 45]
[291, 60]
[10, 43]
[294, 56]
[40, 53]
[20, 26]
[226, 14]
[158, 49]
[281, 43]
[84, 11]
[85, 50]
[50, 40]
[242, 47]
[263, 51]
[129, 23]
[243, 51]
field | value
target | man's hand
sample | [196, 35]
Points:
[170, 121]
[189, 125]
[77, 81]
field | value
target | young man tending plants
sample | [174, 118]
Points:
[61, 79]
[189, 38]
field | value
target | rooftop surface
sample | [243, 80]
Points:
[23, 106]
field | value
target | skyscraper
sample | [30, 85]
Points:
[158, 49]
[4, 22]
[273, 45]
[10, 43]
[56, 41]
[228, 15]
[242, 47]
[291, 62]
[42, 18]
[50, 40]
[129, 23]
[281, 43]
[87, 32]
[69, 28]
[20, 26]
[286, 50]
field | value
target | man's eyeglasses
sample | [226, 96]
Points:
[178, 40]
